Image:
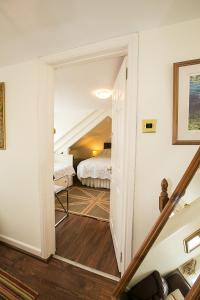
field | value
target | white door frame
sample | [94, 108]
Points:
[123, 45]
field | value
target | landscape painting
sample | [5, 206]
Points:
[2, 117]
[194, 103]
[186, 103]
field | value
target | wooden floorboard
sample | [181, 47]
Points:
[55, 280]
[59, 215]
[88, 242]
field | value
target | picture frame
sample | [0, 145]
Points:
[186, 103]
[2, 117]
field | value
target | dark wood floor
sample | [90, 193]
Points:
[55, 280]
[58, 216]
[88, 242]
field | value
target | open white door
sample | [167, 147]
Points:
[117, 181]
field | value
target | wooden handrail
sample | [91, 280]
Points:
[194, 293]
[157, 228]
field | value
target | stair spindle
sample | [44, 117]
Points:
[163, 199]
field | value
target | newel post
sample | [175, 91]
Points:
[163, 199]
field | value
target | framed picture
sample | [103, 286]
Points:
[186, 103]
[192, 242]
[2, 117]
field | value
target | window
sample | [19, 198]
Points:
[192, 242]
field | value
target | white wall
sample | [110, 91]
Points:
[156, 156]
[192, 191]
[64, 120]
[168, 253]
[75, 91]
[25, 174]
[25, 167]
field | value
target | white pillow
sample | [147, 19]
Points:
[176, 295]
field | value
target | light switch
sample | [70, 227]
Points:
[149, 126]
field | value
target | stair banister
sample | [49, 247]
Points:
[156, 230]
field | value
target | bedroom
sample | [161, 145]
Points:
[82, 170]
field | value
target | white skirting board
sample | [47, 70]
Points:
[20, 245]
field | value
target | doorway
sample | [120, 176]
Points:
[83, 162]
[128, 46]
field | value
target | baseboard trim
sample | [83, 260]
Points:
[23, 248]
[92, 270]
[115, 245]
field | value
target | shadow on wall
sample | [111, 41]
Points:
[92, 143]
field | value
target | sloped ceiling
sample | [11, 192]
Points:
[32, 28]
[74, 91]
[76, 83]
[93, 140]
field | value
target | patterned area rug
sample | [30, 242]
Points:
[13, 289]
[88, 202]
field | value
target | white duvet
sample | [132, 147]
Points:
[62, 169]
[95, 167]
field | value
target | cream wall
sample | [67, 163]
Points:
[156, 157]
[93, 140]
[64, 124]
[75, 86]
[168, 252]
[25, 165]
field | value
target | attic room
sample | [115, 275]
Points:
[82, 162]
[99, 150]
[92, 144]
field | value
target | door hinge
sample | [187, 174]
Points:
[126, 73]
[120, 256]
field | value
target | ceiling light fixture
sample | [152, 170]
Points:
[103, 93]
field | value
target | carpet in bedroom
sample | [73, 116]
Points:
[88, 202]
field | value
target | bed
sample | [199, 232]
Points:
[96, 171]
[63, 170]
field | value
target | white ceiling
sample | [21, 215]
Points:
[74, 91]
[76, 84]
[32, 28]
